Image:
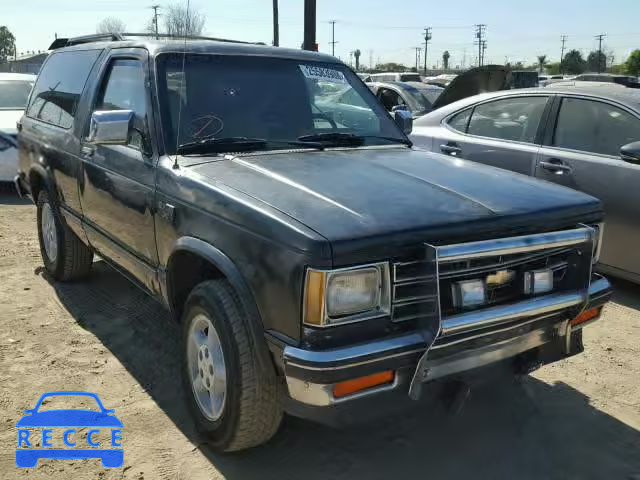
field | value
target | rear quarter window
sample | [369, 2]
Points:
[59, 86]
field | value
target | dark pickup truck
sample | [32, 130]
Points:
[319, 265]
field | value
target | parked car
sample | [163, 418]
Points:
[14, 92]
[626, 80]
[420, 98]
[441, 80]
[416, 97]
[581, 137]
[393, 77]
[317, 267]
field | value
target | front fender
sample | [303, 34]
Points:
[233, 275]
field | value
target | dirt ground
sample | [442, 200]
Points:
[577, 419]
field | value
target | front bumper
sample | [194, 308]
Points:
[531, 326]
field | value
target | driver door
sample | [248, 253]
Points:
[117, 187]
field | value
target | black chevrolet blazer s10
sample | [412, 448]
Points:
[318, 264]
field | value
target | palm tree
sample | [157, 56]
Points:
[445, 59]
[542, 60]
[357, 54]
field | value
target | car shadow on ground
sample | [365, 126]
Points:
[8, 196]
[526, 429]
[625, 293]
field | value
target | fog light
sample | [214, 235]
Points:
[538, 281]
[468, 293]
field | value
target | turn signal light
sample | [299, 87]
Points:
[586, 316]
[355, 385]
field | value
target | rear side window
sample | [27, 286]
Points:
[59, 86]
[514, 119]
[460, 120]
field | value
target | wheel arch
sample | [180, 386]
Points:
[38, 178]
[194, 261]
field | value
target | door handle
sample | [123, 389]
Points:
[450, 150]
[556, 167]
[87, 150]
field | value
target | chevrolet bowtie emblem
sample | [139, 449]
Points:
[499, 278]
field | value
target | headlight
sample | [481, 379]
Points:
[346, 295]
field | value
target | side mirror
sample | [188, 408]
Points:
[110, 127]
[404, 120]
[630, 152]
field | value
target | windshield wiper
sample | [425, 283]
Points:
[349, 138]
[236, 144]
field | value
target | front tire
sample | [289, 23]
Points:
[64, 255]
[234, 400]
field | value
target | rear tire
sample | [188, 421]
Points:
[242, 410]
[64, 255]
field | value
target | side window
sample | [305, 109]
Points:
[389, 98]
[460, 120]
[593, 126]
[514, 119]
[123, 88]
[59, 86]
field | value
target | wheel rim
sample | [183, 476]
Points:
[49, 232]
[207, 371]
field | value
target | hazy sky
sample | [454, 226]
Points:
[384, 30]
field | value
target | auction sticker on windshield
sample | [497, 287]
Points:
[323, 74]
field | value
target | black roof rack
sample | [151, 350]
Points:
[96, 37]
[117, 37]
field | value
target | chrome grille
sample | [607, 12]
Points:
[564, 252]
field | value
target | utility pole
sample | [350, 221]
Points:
[370, 59]
[427, 37]
[481, 28]
[155, 19]
[418, 50]
[564, 40]
[333, 37]
[599, 38]
[310, 26]
[276, 25]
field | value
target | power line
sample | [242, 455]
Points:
[599, 38]
[333, 37]
[427, 37]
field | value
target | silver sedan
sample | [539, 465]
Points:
[585, 138]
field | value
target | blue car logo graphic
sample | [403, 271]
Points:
[27, 456]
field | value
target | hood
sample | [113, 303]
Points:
[375, 192]
[489, 78]
[8, 120]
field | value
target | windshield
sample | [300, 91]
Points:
[14, 94]
[423, 97]
[273, 99]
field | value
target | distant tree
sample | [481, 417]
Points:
[596, 61]
[391, 67]
[632, 65]
[179, 21]
[573, 62]
[111, 25]
[7, 44]
[542, 60]
[356, 55]
[553, 68]
[445, 59]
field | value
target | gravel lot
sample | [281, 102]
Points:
[579, 418]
